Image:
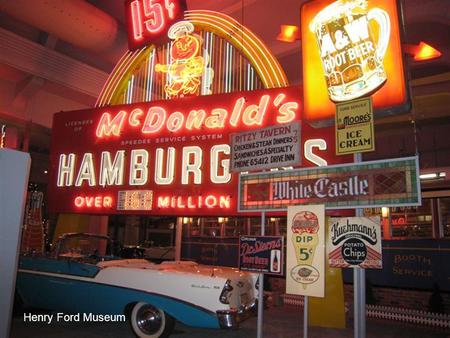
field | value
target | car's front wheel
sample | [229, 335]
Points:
[147, 321]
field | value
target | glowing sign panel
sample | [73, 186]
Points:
[156, 119]
[134, 200]
[93, 202]
[345, 186]
[168, 157]
[351, 49]
[149, 20]
[352, 60]
[186, 66]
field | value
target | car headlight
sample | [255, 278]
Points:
[224, 296]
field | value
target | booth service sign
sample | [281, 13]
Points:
[305, 261]
[354, 241]
[273, 147]
[262, 254]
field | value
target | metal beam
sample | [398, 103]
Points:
[37, 60]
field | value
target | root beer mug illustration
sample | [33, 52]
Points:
[352, 43]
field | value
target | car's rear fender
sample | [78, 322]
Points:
[79, 295]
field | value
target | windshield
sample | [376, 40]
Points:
[80, 246]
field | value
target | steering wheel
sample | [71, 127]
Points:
[94, 255]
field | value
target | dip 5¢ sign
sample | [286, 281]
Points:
[305, 259]
[354, 241]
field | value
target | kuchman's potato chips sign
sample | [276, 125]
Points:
[354, 241]
[351, 49]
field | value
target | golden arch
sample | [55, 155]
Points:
[266, 65]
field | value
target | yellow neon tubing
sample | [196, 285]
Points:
[266, 65]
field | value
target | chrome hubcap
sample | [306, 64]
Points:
[149, 319]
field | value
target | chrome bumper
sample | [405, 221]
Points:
[230, 319]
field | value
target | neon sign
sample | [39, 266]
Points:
[112, 174]
[168, 157]
[351, 49]
[351, 58]
[149, 20]
[96, 202]
[194, 202]
[243, 111]
[186, 66]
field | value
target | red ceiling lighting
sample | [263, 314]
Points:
[426, 52]
[422, 51]
[288, 33]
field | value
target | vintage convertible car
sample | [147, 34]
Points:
[83, 277]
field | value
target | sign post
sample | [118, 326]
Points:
[348, 79]
[263, 254]
[359, 286]
[355, 242]
[259, 332]
[356, 185]
[264, 148]
[305, 263]
[305, 317]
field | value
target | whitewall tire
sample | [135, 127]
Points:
[147, 321]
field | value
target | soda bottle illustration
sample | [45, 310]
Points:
[275, 264]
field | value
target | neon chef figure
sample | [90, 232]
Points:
[186, 66]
